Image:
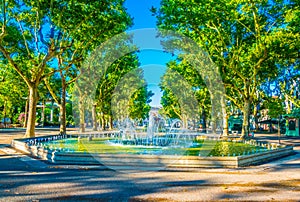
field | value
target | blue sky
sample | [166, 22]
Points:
[140, 11]
[152, 61]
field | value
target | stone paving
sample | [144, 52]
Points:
[25, 179]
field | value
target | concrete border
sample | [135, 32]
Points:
[127, 161]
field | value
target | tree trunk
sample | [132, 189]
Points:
[204, 120]
[43, 114]
[4, 113]
[288, 106]
[213, 119]
[81, 116]
[255, 111]
[111, 123]
[52, 111]
[26, 112]
[185, 121]
[224, 117]
[194, 124]
[102, 122]
[270, 126]
[62, 109]
[94, 117]
[246, 114]
[33, 98]
[214, 125]
[62, 114]
[225, 125]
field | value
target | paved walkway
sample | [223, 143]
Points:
[25, 179]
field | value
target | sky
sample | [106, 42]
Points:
[153, 62]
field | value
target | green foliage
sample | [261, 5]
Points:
[186, 78]
[170, 103]
[111, 78]
[231, 148]
[69, 115]
[122, 92]
[38, 36]
[13, 92]
[294, 114]
[275, 108]
[98, 145]
[139, 104]
[221, 148]
[241, 38]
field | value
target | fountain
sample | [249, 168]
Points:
[156, 135]
[165, 144]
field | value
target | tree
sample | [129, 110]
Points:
[35, 33]
[237, 35]
[179, 100]
[116, 20]
[130, 97]
[107, 86]
[275, 108]
[58, 90]
[15, 47]
[139, 104]
[13, 93]
[197, 87]
[288, 42]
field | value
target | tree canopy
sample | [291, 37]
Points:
[239, 36]
[35, 33]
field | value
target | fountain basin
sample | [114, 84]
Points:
[123, 161]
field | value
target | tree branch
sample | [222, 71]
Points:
[220, 35]
[3, 29]
[15, 66]
[36, 28]
[256, 25]
[51, 53]
[234, 100]
[54, 96]
[175, 111]
[72, 81]
[245, 27]
[24, 38]
[233, 87]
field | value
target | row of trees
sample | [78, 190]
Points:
[254, 43]
[43, 45]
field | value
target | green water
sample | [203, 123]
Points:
[200, 147]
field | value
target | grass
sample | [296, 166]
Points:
[199, 148]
